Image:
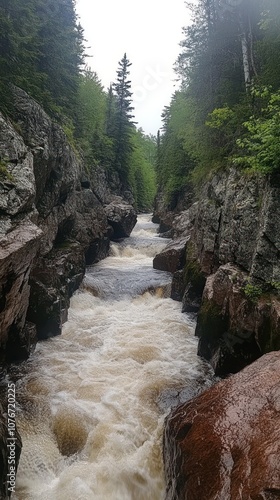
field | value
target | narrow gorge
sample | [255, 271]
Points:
[139, 267]
[92, 400]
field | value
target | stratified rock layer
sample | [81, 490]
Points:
[225, 444]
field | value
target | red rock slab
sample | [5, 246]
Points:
[225, 444]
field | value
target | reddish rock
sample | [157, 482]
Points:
[17, 252]
[225, 444]
[172, 257]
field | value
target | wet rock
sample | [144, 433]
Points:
[225, 443]
[18, 249]
[178, 285]
[121, 217]
[172, 258]
[165, 213]
[17, 189]
[53, 281]
[234, 222]
[233, 329]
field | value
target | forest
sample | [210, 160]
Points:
[42, 51]
[226, 111]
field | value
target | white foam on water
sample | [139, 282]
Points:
[89, 416]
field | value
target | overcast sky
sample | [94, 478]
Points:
[149, 31]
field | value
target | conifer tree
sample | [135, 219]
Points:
[123, 123]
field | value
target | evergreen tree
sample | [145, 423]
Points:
[41, 47]
[222, 111]
[123, 124]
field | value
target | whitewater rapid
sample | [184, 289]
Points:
[92, 402]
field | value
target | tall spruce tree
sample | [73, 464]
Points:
[123, 123]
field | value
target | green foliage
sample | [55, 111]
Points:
[174, 162]
[216, 117]
[97, 147]
[253, 292]
[123, 125]
[260, 144]
[5, 175]
[142, 177]
[41, 51]
[220, 117]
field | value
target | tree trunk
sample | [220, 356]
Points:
[246, 59]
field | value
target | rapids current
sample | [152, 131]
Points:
[92, 402]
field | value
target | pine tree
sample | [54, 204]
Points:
[123, 124]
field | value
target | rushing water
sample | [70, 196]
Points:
[92, 402]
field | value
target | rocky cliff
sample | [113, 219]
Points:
[231, 273]
[55, 218]
[224, 444]
[53, 221]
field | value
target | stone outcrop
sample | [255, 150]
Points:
[121, 217]
[18, 250]
[172, 257]
[235, 329]
[164, 212]
[225, 444]
[236, 221]
[52, 223]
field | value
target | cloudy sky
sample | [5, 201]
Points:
[149, 31]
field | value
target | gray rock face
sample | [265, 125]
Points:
[172, 258]
[234, 331]
[236, 220]
[121, 217]
[52, 224]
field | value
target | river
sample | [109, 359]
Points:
[92, 402]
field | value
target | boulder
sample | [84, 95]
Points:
[233, 327]
[225, 443]
[172, 258]
[121, 217]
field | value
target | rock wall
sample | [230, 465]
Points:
[53, 222]
[224, 444]
[232, 270]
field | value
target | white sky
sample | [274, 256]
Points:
[149, 31]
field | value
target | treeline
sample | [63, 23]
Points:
[42, 51]
[227, 110]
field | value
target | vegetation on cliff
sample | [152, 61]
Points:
[227, 108]
[42, 51]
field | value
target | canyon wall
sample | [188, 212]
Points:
[55, 217]
[231, 269]
[225, 256]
